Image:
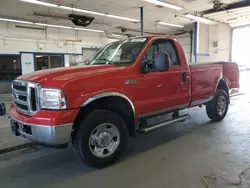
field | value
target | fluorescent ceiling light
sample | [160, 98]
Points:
[59, 26]
[199, 19]
[92, 30]
[50, 25]
[17, 21]
[81, 10]
[66, 8]
[157, 2]
[122, 18]
[182, 18]
[169, 24]
[117, 35]
[40, 3]
[98, 13]
[40, 24]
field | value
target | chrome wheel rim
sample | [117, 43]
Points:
[221, 105]
[104, 140]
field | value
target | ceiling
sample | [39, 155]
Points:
[235, 17]
[127, 8]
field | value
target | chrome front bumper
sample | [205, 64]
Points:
[53, 136]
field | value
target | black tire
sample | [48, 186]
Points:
[89, 124]
[4, 108]
[211, 108]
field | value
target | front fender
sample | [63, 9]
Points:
[108, 94]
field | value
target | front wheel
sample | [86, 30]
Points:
[101, 138]
[217, 108]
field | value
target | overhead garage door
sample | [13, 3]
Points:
[186, 42]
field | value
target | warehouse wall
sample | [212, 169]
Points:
[186, 43]
[14, 40]
[73, 45]
[213, 42]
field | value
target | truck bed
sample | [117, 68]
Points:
[230, 71]
[205, 76]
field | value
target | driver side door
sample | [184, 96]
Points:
[159, 89]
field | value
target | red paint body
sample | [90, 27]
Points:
[152, 92]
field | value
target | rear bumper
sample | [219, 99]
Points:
[234, 91]
[50, 135]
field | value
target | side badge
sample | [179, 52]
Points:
[130, 81]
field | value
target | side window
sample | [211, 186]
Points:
[150, 55]
[166, 46]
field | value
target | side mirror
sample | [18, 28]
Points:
[146, 66]
[162, 61]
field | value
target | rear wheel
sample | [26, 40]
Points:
[101, 138]
[217, 108]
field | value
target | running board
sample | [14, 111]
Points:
[162, 124]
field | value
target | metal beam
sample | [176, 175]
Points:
[231, 6]
[141, 11]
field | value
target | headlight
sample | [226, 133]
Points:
[52, 99]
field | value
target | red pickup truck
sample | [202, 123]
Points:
[114, 95]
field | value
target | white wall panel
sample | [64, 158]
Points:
[185, 41]
[204, 37]
[220, 34]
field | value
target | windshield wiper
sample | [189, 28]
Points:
[108, 61]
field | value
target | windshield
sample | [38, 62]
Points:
[121, 53]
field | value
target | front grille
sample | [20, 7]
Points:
[21, 106]
[19, 87]
[33, 99]
[25, 97]
[22, 98]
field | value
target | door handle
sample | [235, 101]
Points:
[184, 76]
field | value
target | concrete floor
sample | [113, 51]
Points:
[175, 156]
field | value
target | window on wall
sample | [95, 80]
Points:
[10, 67]
[48, 61]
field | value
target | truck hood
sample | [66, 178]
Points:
[67, 73]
